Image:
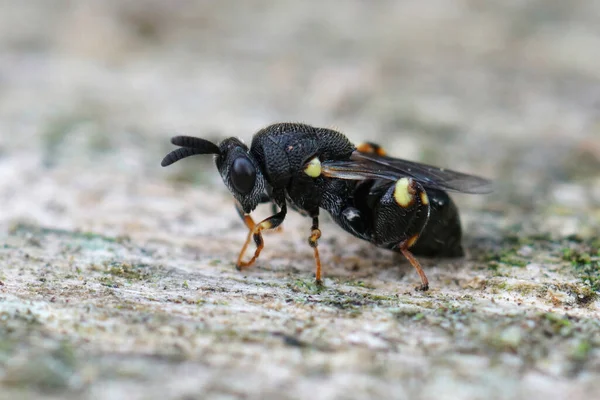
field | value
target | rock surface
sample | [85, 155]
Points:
[117, 277]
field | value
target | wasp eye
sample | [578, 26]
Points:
[243, 175]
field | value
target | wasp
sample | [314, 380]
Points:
[392, 203]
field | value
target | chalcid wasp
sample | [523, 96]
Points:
[392, 203]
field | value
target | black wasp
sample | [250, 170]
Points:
[395, 204]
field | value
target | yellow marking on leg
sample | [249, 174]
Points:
[266, 225]
[424, 199]
[313, 168]
[315, 235]
[404, 192]
[411, 241]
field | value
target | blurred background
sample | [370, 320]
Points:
[509, 90]
[506, 89]
[128, 267]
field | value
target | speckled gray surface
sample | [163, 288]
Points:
[117, 277]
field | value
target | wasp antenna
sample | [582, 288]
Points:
[178, 154]
[196, 143]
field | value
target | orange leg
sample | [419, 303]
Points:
[415, 263]
[256, 233]
[249, 222]
[315, 234]
[260, 244]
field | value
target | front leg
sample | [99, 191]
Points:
[255, 233]
[248, 221]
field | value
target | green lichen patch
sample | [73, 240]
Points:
[129, 272]
[514, 250]
[586, 264]
[534, 337]
[523, 288]
[306, 286]
[510, 250]
[108, 282]
[354, 300]
[581, 349]
[360, 284]
[409, 312]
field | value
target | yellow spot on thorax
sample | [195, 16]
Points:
[313, 168]
[403, 193]
[424, 199]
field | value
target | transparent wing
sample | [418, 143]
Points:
[370, 166]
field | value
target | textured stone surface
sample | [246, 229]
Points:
[117, 276]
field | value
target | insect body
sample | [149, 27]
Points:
[395, 204]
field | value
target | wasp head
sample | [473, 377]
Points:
[239, 170]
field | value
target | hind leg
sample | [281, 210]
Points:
[400, 216]
[442, 235]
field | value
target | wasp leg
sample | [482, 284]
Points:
[255, 233]
[246, 217]
[248, 221]
[400, 217]
[277, 229]
[415, 263]
[371, 148]
[315, 234]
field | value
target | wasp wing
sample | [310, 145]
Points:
[363, 166]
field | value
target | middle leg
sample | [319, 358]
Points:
[315, 234]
